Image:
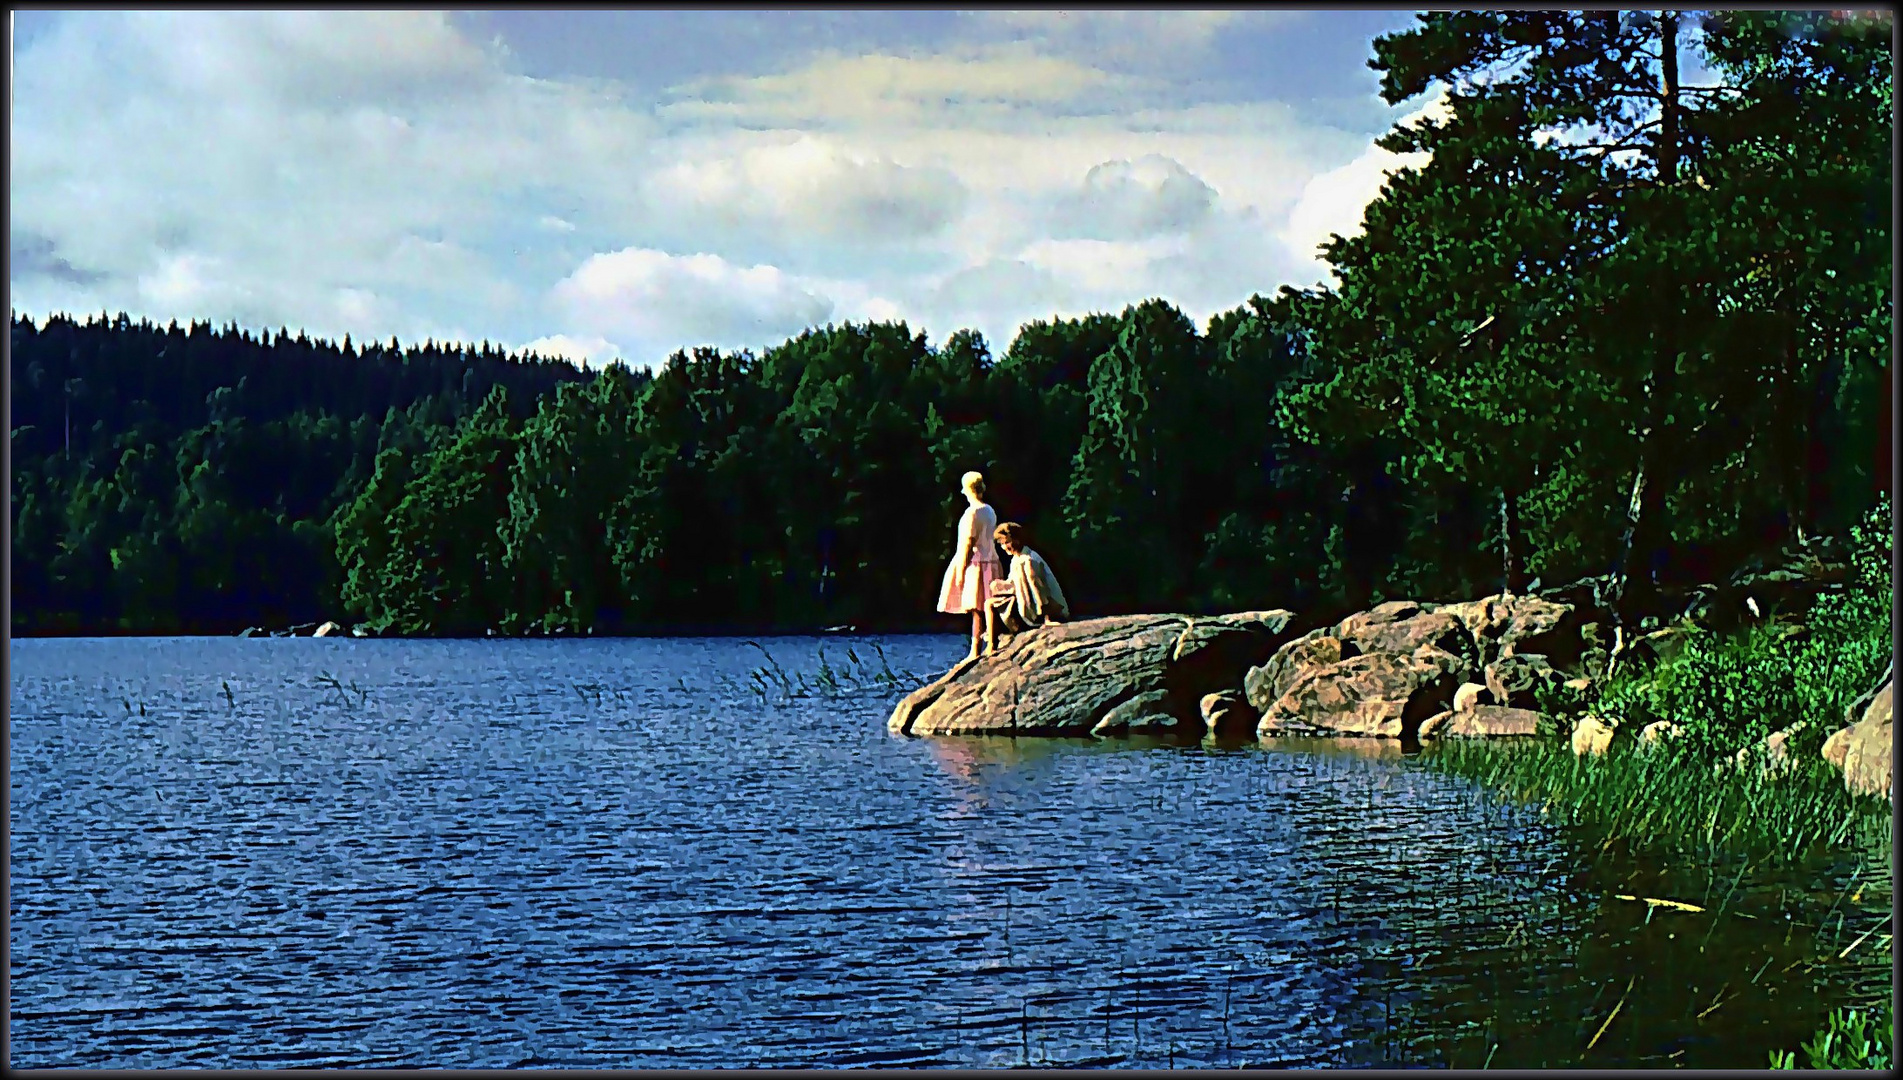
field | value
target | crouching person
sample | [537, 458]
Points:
[1029, 596]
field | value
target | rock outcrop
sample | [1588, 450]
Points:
[1386, 695]
[1863, 750]
[1469, 695]
[1115, 675]
[1263, 684]
[1147, 713]
[1471, 669]
[1771, 755]
[1481, 722]
[1515, 680]
[1389, 671]
[1660, 732]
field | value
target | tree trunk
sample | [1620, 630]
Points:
[1633, 513]
[1642, 514]
[1885, 437]
[1668, 106]
[1510, 543]
[1813, 466]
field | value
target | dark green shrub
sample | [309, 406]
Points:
[1730, 691]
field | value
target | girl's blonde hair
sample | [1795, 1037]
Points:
[973, 482]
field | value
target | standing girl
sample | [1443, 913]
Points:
[974, 565]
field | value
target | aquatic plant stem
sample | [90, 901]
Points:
[1614, 1015]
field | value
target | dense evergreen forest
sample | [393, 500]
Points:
[184, 479]
[1645, 352]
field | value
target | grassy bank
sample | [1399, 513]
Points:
[1670, 801]
[1680, 801]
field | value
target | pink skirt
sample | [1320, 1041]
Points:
[967, 584]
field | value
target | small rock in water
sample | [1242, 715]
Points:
[1225, 713]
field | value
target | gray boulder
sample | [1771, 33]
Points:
[1383, 695]
[1068, 679]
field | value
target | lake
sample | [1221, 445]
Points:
[650, 853]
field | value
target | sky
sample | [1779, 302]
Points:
[625, 184]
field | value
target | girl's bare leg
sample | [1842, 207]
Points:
[991, 628]
[977, 629]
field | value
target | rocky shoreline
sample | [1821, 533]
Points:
[1404, 671]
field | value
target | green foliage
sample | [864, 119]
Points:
[1851, 1039]
[1590, 282]
[572, 467]
[1126, 491]
[1725, 692]
[1604, 322]
[201, 492]
[1729, 691]
[421, 546]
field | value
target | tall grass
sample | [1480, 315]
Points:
[1670, 800]
[1850, 1039]
[856, 675]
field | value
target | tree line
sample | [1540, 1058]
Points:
[171, 480]
[1617, 327]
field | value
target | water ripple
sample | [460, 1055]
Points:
[606, 854]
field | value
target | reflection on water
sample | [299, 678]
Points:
[1365, 749]
[613, 854]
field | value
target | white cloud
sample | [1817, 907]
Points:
[665, 301]
[178, 282]
[999, 284]
[381, 174]
[1334, 201]
[252, 165]
[810, 185]
[888, 90]
[591, 351]
[1154, 194]
[328, 56]
[359, 307]
[1099, 266]
[1130, 38]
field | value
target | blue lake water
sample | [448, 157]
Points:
[640, 853]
